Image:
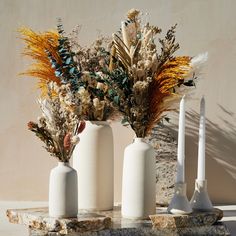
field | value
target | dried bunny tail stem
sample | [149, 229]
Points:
[46, 109]
[197, 63]
[133, 13]
[199, 60]
[125, 35]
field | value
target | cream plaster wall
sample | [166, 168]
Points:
[203, 25]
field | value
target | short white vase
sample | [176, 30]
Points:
[63, 191]
[139, 181]
[93, 160]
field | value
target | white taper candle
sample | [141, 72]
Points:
[181, 143]
[201, 143]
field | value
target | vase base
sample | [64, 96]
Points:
[136, 218]
[95, 209]
[63, 216]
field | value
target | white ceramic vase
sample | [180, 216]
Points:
[63, 191]
[93, 160]
[139, 181]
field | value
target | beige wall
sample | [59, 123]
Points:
[203, 25]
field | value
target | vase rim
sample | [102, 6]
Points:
[63, 163]
[98, 122]
[137, 139]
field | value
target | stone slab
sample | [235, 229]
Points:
[195, 219]
[108, 223]
[38, 219]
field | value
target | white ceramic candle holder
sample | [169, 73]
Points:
[179, 204]
[200, 199]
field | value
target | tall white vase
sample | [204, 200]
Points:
[139, 181]
[63, 191]
[93, 160]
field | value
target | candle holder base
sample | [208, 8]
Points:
[200, 200]
[179, 204]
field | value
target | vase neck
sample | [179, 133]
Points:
[139, 140]
[61, 163]
[95, 122]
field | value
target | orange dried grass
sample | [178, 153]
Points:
[37, 47]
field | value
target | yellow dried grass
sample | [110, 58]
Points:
[37, 47]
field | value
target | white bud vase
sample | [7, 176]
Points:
[139, 181]
[63, 191]
[93, 160]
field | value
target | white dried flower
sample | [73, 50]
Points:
[96, 102]
[102, 62]
[46, 109]
[148, 64]
[199, 60]
[84, 95]
[57, 134]
[99, 73]
[75, 139]
[100, 86]
[141, 85]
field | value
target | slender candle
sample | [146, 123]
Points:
[181, 143]
[201, 143]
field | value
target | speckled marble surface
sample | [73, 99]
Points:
[38, 219]
[111, 223]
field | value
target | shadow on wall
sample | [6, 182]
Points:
[220, 156]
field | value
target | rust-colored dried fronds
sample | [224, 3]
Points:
[162, 94]
[173, 73]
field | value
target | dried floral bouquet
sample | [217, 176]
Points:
[58, 127]
[59, 58]
[134, 75]
[146, 79]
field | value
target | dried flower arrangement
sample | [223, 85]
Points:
[133, 76]
[62, 60]
[58, 127]
[146, 79]
[69, 79]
